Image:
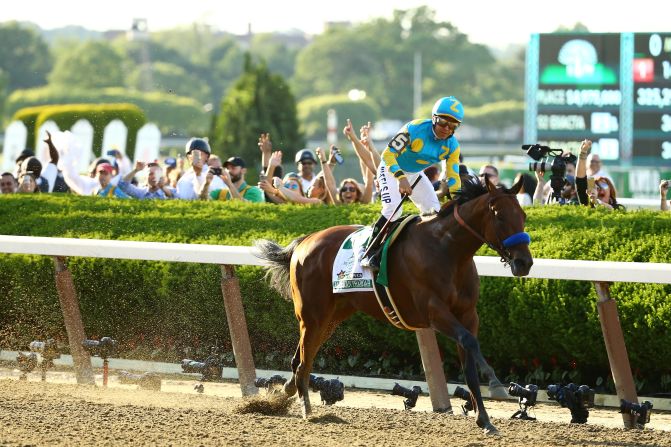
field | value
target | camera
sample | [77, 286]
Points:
[216, 171]
[464, 394]
[640, 411]
[527, 394]
[410, 395]
[576, 398]
[557, 165]
[270, 382]
[210, 369]
[526, 397]
[330, 390]
[49, 352]
[104, 348]
[149, 381]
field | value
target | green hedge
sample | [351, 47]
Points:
[312, 113]
[99, 115]
[170, 112]
[523, 321]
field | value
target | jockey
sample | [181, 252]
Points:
[419, 144]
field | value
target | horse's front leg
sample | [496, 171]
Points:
[471, 349]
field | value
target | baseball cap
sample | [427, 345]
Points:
[235, 161]
[104, 167]
[171, 161]
[305, 155]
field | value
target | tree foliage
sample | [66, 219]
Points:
[258, 102]
[94, 64]
[24, 56]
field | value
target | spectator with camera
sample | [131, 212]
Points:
[155, 188]
[274, 169]
[233, 176]
[594, 191]
[190, 185]
[663, 189]
[8, 183]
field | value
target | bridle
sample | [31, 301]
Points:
[502, 245]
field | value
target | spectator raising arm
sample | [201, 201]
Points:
[361, 151]
[329, 180]
[663, 189]
[581, 173]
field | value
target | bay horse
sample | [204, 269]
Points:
[432, 277]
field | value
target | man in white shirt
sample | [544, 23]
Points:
[192, 182]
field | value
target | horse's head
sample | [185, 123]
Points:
[504, 230]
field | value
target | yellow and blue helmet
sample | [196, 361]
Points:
[449, 106]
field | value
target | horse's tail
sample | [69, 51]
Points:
[278, 259]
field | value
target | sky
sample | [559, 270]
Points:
[496, 23]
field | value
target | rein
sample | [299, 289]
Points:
[502, 248]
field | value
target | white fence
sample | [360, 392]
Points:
[601, 273]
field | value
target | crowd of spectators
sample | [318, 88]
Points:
[201, 175]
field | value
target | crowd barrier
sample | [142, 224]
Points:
[601, 273]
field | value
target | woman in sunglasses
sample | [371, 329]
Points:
[420, 143]
[350, 192]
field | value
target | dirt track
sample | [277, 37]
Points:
[33, 413]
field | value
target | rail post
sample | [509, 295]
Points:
[433, 370]
[237, 324]
[616, 349]
[67, 296]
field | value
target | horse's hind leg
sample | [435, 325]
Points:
[311, 339]
[290, 387]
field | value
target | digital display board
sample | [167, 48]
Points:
[652, 96]
[578, 94]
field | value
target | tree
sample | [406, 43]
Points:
[377, 57]
[24, 56]
[258, 102]
[94, 64]
[170, 78]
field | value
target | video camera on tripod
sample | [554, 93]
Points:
[410, 395]
[557, 165]
[104, 348]
[526, 398]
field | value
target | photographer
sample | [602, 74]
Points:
[602, 192]
[663, 188]
[155, 187]
[233, 176]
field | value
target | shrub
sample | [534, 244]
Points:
[172, 113]
[65, 116]
[173, 304]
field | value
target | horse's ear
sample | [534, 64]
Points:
[517, 186]
[490, 186]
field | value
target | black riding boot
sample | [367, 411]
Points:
[374, 246]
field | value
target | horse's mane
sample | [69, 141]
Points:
[471, 188]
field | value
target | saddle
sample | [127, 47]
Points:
[381, 279]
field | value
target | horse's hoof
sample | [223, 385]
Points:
[290, 388]
[498, 392]
[490, 430]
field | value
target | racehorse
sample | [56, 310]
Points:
[432, 277]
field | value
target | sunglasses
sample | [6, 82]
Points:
[291, 185]
[348, 189]
[602, 185]
[444, 122]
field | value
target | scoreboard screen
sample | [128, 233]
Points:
[652, 96]
[612, 88]
[579, 92]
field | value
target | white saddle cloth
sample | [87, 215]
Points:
[348, 274]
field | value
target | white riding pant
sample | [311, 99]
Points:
[423, 195]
